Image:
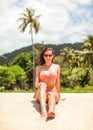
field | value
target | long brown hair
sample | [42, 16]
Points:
[42, 61]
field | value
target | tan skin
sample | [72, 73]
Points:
[48, 88]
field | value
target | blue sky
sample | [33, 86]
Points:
[62, 21]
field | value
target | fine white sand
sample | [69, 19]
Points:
[19, 111]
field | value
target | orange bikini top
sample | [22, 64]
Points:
[44, 76]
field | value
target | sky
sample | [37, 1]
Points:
[62, 21]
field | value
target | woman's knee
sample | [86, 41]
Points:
[43, 86]
[52, 96]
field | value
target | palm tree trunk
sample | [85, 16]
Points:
[33, 57]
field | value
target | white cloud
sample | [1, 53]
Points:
[61, 22]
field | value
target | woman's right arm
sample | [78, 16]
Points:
[37, 84]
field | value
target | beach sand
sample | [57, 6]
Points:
[19, 111]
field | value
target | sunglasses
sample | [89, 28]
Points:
[46, 55]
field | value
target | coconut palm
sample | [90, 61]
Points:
[66, 54]
[28, 19]
[88, 48]
[88, 43]
[71, 56]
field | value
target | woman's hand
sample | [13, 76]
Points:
[37, 85]
[40, 84]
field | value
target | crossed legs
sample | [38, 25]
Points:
[51, 97]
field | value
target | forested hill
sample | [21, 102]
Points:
[56, 48]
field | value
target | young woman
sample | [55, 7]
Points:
[47, 83]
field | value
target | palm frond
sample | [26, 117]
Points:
[38, 16]
[36, 25]
[25, 15]
[30, 12]
[22, 27]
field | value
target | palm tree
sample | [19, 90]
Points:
[70, 56]
[28, 19]
[88, 47]
[88, 43]
[66, 54]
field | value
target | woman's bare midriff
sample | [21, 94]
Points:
[50, 84]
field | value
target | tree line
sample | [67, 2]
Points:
[56, 47]
[76, 65]
[76, 68]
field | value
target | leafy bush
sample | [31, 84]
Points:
[2, 88]
[20, 76]
[11, 77]
[63, 78]
[24, 60]
[75, 77]
[79, 77]
[90, 83]
[7, 77]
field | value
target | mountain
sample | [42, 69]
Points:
[9, 56]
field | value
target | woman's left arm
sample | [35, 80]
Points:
[58, 79]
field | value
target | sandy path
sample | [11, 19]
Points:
[18, 111]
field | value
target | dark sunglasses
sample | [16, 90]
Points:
[46, 55]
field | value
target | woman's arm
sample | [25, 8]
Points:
[37, 84]
[58, 79]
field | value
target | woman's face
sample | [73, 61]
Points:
[48, 56]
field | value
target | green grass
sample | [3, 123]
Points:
[19, 91]
[77, 89]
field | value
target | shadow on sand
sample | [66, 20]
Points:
[36, 105]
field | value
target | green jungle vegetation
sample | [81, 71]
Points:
[17, 69]
[76, 70]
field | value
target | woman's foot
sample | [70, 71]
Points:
[43, 113]
[51, 115]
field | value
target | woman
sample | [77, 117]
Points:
[47, 83]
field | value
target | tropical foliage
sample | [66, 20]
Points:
[25, 61]
[11, 77]
[76, 65]
[88, 48]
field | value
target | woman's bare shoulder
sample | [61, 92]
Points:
[38, 67]
[57, 65]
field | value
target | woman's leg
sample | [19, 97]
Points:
[53, 98]
[41, 97]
